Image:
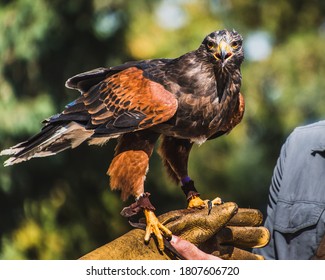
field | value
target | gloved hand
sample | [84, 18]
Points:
[226, 232]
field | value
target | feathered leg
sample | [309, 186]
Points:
[175, 153]
[127, 173]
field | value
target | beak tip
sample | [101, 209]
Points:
[223, 52]
[223, 56]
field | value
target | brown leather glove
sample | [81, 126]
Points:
[226, 232]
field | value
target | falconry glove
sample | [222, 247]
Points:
[227, 232]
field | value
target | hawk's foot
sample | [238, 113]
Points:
[156, 228]
[197, 202]
[153, 226]
[193, 197]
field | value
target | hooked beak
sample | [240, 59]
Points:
[223, 52]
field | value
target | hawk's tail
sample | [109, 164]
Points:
[52, 139]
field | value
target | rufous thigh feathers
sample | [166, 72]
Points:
[128, 171]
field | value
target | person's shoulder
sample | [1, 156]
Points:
[313, 126]
[316, 127]
[314, 132]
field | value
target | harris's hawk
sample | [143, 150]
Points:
[186, 100]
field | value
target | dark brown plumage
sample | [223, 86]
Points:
[186, 100]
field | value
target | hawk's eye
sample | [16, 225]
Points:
[235, 45]
[210, 45]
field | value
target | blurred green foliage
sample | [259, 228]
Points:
[61, 207]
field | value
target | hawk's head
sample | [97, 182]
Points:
[224, 48]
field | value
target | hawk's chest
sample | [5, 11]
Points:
[197, 110]
[194, 115]
[192, 119]
[202, 99]
[203, 114]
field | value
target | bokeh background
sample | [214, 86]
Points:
[61, 207]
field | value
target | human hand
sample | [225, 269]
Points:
[189, 251]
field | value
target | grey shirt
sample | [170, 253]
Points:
[295, 212]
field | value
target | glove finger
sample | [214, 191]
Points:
[245, 237]
[247, 217]
[195, 225]
[234, 253]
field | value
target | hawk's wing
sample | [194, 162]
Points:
[113, 101]
[118, 102]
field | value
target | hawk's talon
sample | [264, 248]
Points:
[168, 238]
[156, 228]
[210, 205]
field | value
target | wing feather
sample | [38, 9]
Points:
[124, 101]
